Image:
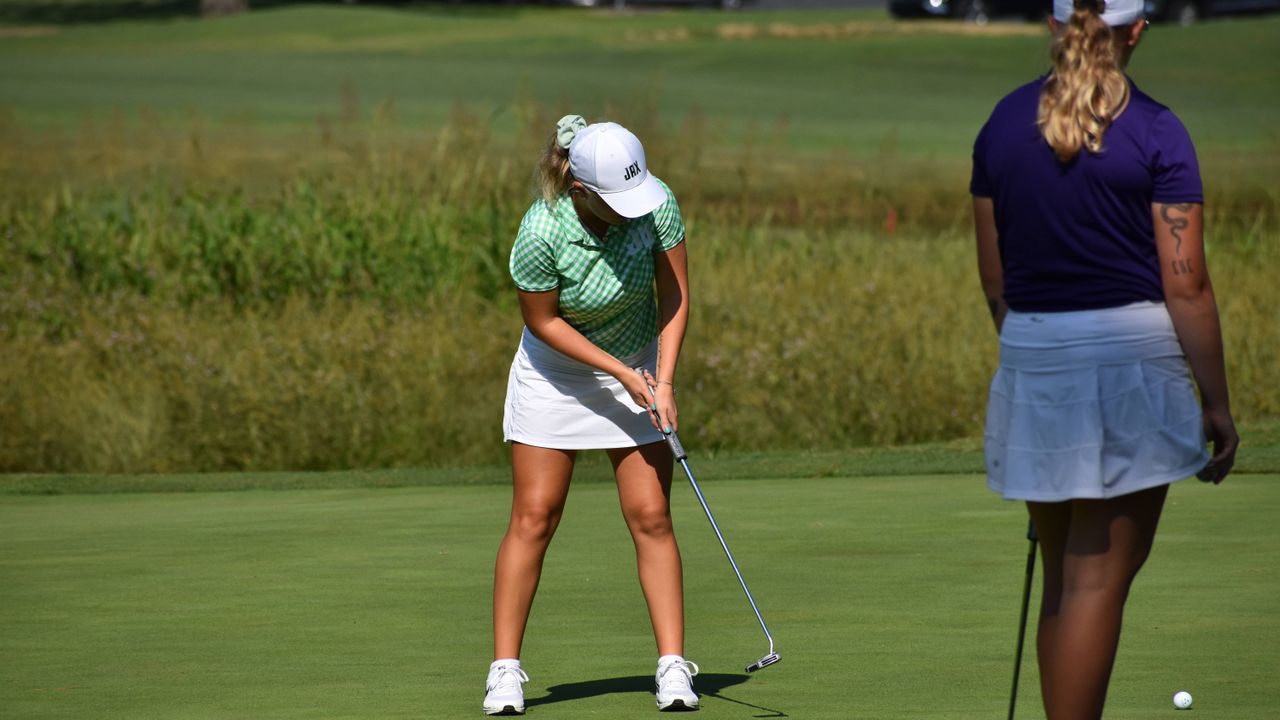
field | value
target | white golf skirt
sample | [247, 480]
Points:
[1091, 404]
[554, 401]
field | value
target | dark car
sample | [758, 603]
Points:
[1186, 12]
[1183, 12]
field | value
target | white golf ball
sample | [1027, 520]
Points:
[1182, 699]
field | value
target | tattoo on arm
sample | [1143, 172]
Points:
[1181, 267]
[1176, 224]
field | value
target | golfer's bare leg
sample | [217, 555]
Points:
[1052, 521]
[644, 490]
[1107, 544]
[540, 485]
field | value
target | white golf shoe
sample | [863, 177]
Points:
[675, 683]
[504, 691]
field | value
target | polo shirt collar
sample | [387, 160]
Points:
[578, 233]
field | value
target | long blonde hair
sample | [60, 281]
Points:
[553, 176]
[1087, 88]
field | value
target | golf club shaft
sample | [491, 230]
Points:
[678, 451]
[1022, 623]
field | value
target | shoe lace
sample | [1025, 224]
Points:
[687, 668]
[507, 677]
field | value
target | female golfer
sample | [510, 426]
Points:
[595, 369]
[1087, 204]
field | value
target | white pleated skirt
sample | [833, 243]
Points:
[1091, 404]
[554, 401]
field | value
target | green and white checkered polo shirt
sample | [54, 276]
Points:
[606, 288]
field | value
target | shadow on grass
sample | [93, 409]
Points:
[707, 685]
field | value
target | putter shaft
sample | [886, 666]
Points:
[684, 463]
[677, 451]
[1022, 622]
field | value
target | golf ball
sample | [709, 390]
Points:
[1182, 699]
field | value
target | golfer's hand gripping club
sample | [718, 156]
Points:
[673, 440]
[677, 451]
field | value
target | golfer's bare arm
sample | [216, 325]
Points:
[989, 270]
[1188, 294]
[541, 312]
[671, 272]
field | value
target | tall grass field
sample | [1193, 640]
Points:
[278, 241]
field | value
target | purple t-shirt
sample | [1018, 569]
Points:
[1078, 236]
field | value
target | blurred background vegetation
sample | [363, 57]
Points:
[279, 240]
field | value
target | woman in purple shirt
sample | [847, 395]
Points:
[1088, 212]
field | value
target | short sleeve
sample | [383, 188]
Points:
[979, 185]
[533, 264]
[668, 221]
[1173, 162]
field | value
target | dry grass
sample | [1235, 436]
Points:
[218, 298]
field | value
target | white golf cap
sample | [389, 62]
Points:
[1115, 13]
[608, 158]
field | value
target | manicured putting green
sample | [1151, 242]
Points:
[890, 597]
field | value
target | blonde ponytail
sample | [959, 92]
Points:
[553, 176]
[1087, 89]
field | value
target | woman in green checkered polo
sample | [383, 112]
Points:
[599, 263]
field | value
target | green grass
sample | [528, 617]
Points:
[898, 594]
[1260, 455]
[827, 79]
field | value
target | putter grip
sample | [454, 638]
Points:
[676, 448]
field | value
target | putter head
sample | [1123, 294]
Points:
[765, 661]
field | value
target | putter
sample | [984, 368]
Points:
[1022, 624]
[677, 451]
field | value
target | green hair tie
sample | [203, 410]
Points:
[568, 127]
